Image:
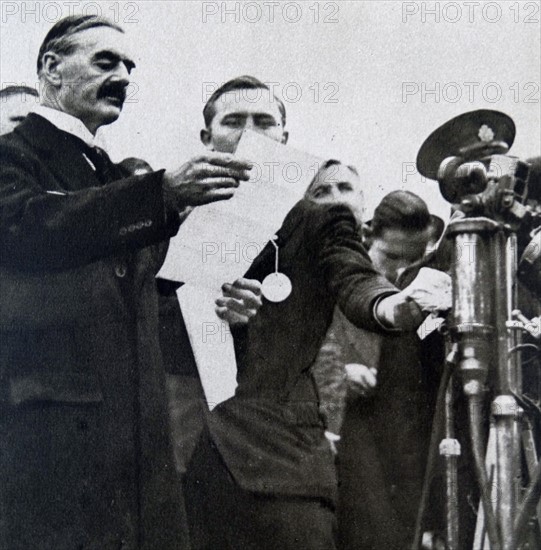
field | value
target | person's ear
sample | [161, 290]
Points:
[285, 137]
[51, 68]
[367, 234]
[206, 138]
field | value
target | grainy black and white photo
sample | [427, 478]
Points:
[270, 275]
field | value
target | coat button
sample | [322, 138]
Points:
[121, 270]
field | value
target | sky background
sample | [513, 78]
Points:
[355, 76]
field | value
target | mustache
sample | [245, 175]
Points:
[113, 89]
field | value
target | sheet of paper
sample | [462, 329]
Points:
[218, 243]
[212, 344]
[430, 324]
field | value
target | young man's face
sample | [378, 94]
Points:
[94, 77]
[243, 109]
[338, 184]
[396, 249]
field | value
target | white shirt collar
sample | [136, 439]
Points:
[65, 122]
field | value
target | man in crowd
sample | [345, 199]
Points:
[241, 103]
[262, 475]
[386, 428]
[334, 183]
[85, 454]
[373, 388]
[15, 103]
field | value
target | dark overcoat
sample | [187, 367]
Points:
[85, 457]
[270, 434]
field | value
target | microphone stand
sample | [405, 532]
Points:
[486, 340]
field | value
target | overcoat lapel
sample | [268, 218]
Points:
[61, 153]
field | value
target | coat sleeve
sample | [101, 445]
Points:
[43, 229]
[347, 269]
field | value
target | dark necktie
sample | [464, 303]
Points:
[106, 170]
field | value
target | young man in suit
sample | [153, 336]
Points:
[85, 457]
[262, 475]
[241, 103]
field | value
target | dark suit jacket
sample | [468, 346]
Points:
[85, 458]
[270, 434]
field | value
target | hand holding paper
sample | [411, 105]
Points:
[431, 290]
[218, 242]
[240, 301]
[205, 179]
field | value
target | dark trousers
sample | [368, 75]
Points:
[380, 476]
[222, 515]
[372, 513]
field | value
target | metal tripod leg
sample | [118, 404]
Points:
[480, 541]
[530, 453]
[450, 451]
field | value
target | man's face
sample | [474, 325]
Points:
[243, 109]
[13, 109]
[94, 77]
[396, 249]
[338, 184]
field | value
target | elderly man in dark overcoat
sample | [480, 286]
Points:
[85, 457]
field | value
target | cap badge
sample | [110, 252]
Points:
[485, 133]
